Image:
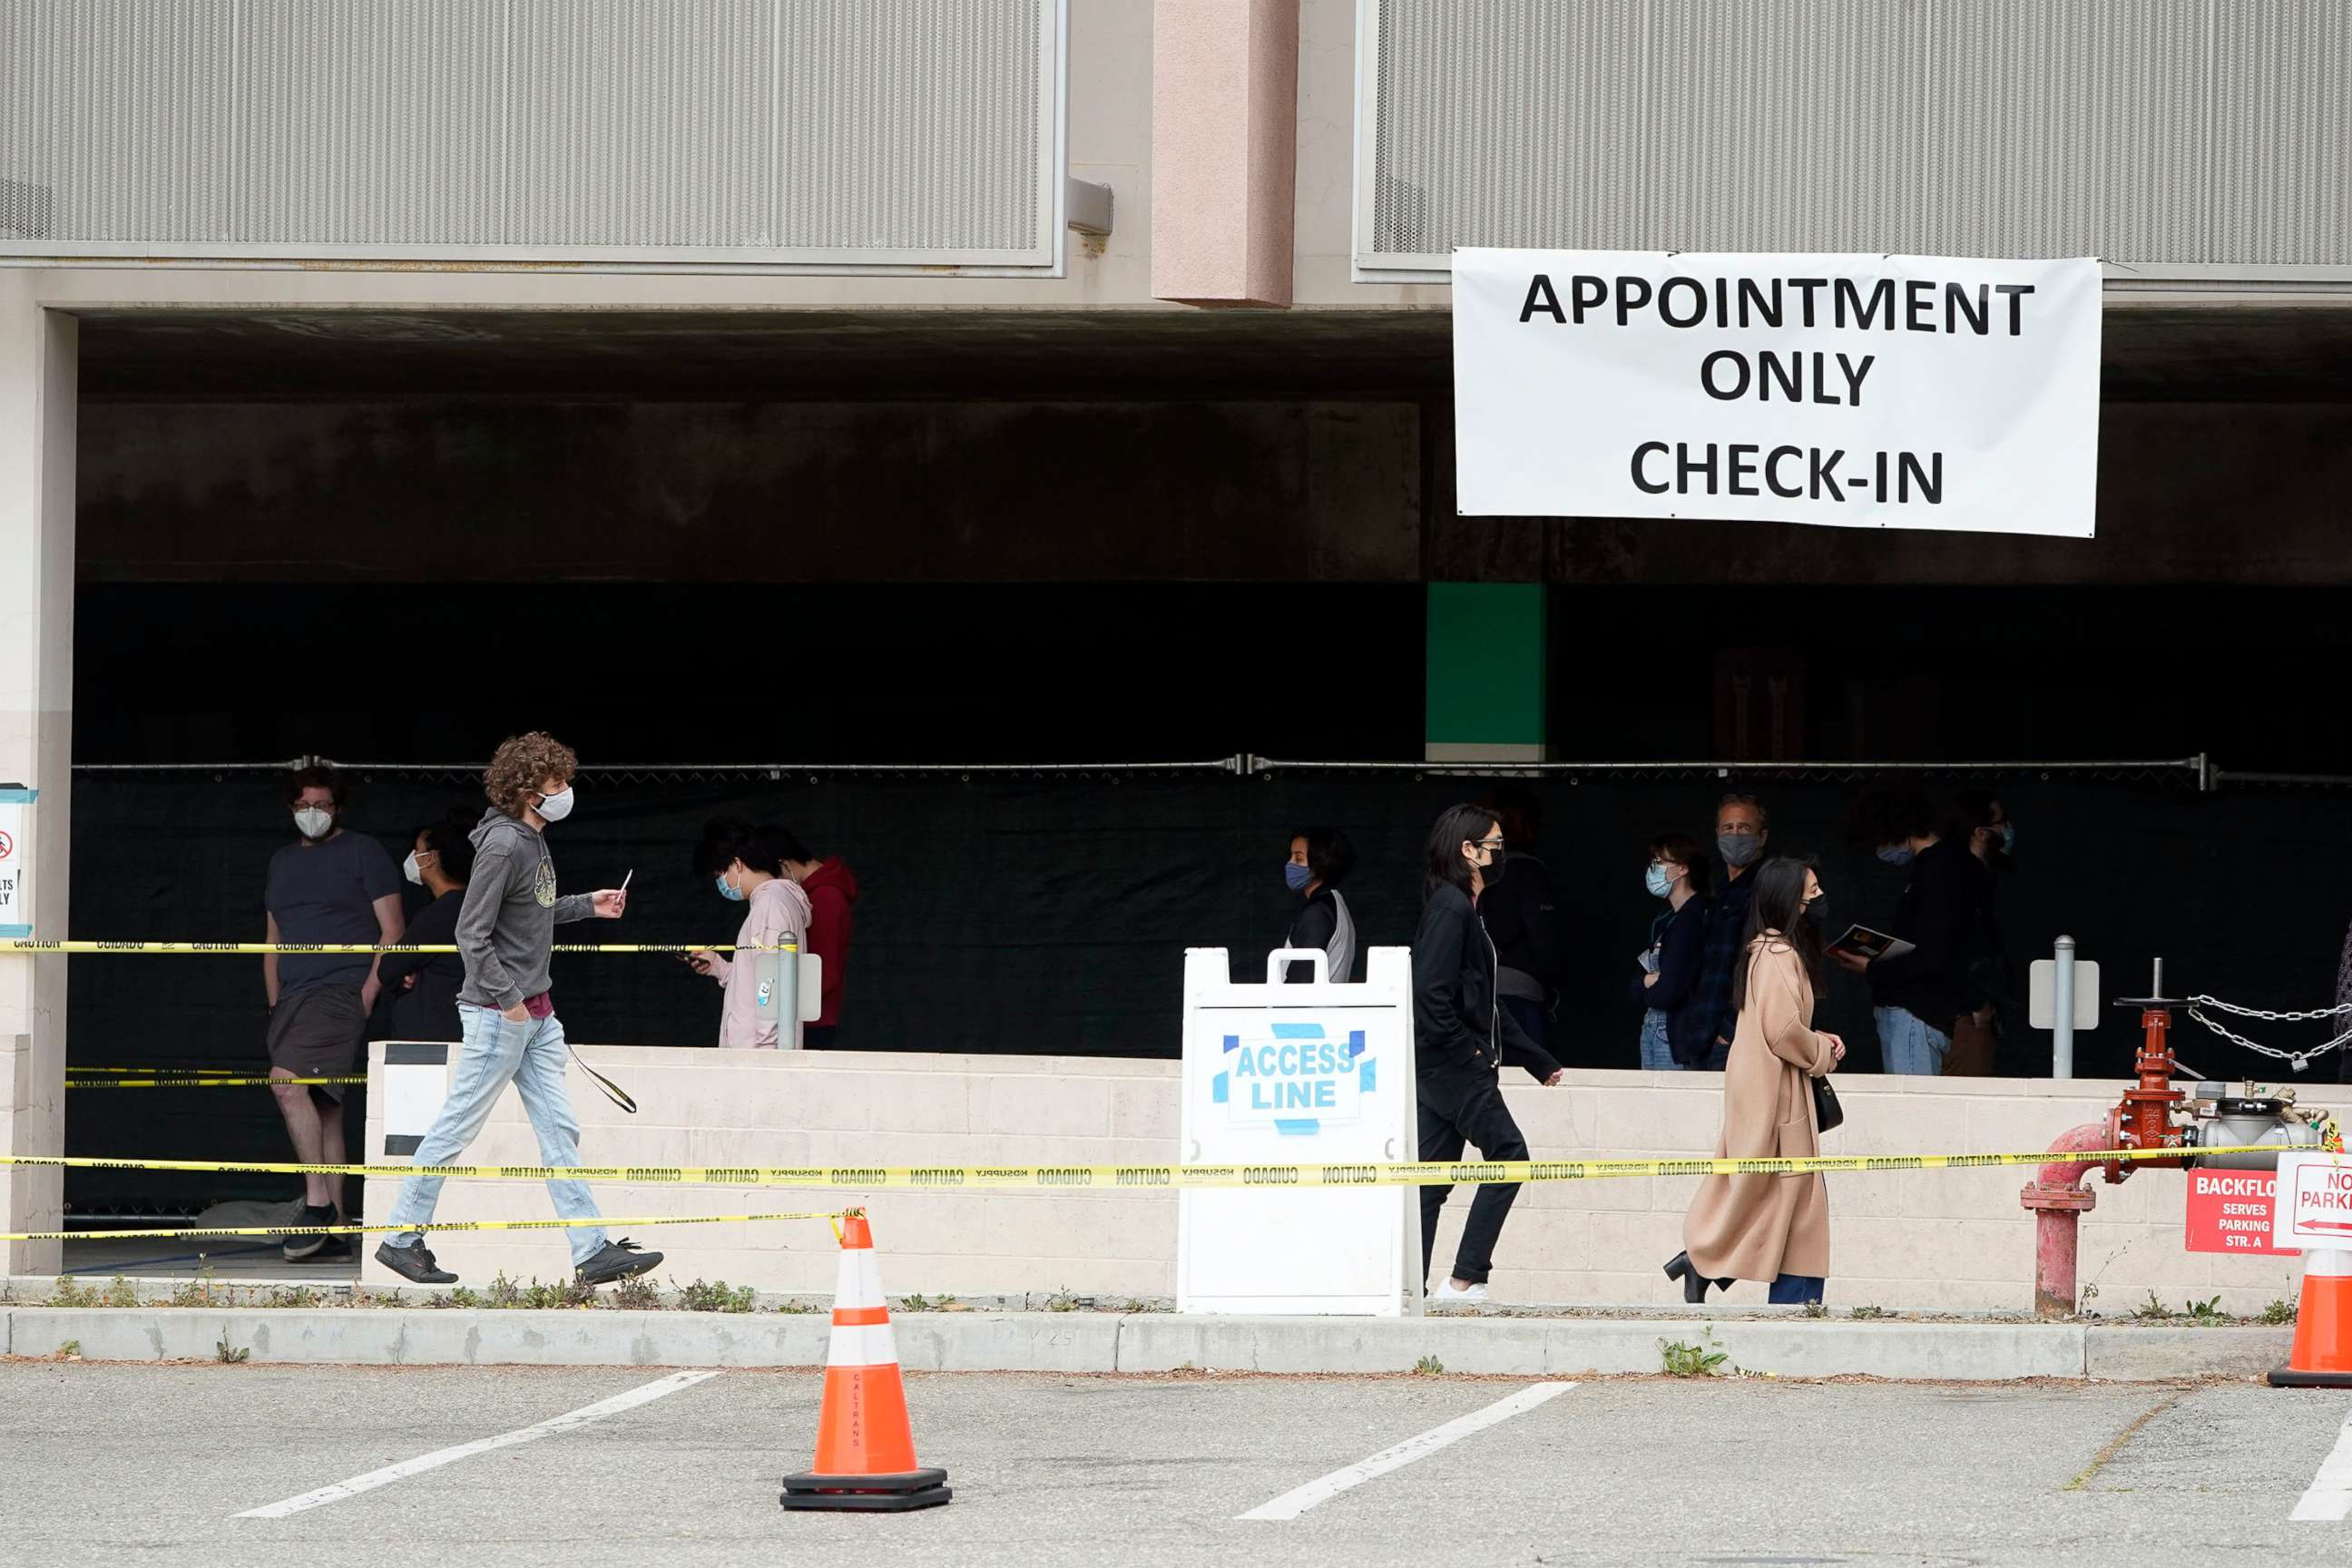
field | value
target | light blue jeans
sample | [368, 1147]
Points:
[1656, 1055]
[1907, 1043]
[533, 1055]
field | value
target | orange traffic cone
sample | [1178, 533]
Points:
[864, 1444]
[2322, 1357]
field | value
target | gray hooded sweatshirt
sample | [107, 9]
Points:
[508, 921]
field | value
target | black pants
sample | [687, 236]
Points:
[1463, 1104]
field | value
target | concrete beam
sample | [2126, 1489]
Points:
[1224, 150]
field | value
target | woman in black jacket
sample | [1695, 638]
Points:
[1461, 1037]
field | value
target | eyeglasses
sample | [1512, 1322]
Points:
[1494, 844]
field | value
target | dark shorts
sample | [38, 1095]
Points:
[319, 1031]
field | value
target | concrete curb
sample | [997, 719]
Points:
[1144, 1343]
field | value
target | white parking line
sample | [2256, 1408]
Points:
[2330, 1496]
[407, 1467]
[1297, 1501]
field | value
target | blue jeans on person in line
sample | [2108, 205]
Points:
[533, 1055]
[1907, 1042]
[1657, 1055]
[1797, 1289]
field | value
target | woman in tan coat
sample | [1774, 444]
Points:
[1770, 1229]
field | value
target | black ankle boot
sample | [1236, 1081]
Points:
[1694, 1283]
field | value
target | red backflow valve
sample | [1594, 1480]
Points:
[2145, 1119]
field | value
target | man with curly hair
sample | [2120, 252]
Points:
[504, 930]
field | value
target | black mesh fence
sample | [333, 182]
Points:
[1049, 912]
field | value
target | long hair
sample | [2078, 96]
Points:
[1455, 825]
[1779, 905]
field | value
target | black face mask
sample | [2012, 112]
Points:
[1819, 910]
[1489, 875]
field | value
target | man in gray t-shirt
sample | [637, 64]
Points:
[328, 887]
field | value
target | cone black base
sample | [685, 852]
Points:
[867, 1494]
[2287, 1377]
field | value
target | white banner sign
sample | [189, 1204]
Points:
[1866, 391]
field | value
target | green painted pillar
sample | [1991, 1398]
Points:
[1487, 653]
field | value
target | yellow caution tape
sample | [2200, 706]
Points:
[1395, 1173]
[158, 1072]
[192, 1082]
[28, 945]
[374, 1229]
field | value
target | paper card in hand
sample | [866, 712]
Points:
[1871, 944]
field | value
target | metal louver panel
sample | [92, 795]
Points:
[2283, 131]
[2184, 132]
[812, 132]
[2071, 130]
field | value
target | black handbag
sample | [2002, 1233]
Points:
[1827, 1112]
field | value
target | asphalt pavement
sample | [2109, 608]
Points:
[153, 1464]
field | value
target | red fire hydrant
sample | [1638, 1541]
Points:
[2056, 1196]
[2141, 1119]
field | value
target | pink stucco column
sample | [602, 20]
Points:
[1225, 131]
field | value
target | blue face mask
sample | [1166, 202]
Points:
[1659, 883]
[733, 895]
[2008, 838]
[1896, 854]
[1296, 877]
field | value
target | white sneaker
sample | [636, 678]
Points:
[1443, 1294]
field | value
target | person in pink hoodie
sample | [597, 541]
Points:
[747, 865]
[832, 891]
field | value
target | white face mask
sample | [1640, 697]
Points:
[314, 822]
[408, 869]
[557, 807]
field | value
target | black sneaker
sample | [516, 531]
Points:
[619, 1260]
[337, 1249]
[413, 1264]
[298, 1247]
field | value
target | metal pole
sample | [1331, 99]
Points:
[778, 974]
[2062, 1010]
[788, 1036]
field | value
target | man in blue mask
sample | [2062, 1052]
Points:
[1742, 828]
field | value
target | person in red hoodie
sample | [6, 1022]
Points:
[832, 891]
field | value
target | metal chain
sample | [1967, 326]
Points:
[2302, 1016]
[2297, 1060]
